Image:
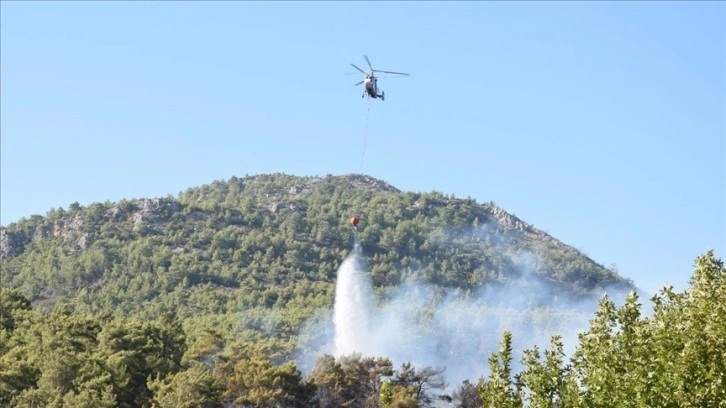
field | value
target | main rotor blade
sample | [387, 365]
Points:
[391, 72]
[369, 63]
[358, 83]
[354, 66]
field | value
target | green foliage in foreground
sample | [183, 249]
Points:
[675, 357]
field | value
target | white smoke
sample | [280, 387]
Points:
[427, 326]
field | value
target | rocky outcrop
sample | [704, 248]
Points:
[509, 221]
[361, 180]
[11, 243]
[76, 230]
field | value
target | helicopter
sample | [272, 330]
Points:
[371, 81]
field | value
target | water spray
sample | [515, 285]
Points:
[352, 311]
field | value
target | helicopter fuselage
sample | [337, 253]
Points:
[371, 86]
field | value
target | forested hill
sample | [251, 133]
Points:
[223, 296]
[277, 234]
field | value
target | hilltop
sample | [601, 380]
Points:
[270, 231]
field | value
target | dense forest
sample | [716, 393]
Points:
[198, 300]
[275, 237]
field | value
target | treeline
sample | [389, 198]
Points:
[674, 357]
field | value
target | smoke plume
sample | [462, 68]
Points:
[427, 326]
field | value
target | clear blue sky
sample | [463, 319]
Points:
[600, 123]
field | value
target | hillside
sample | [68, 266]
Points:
[223, 296]
[273, 233]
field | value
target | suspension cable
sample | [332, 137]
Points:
[365, 134]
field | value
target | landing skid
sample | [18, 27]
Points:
[382, 96]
